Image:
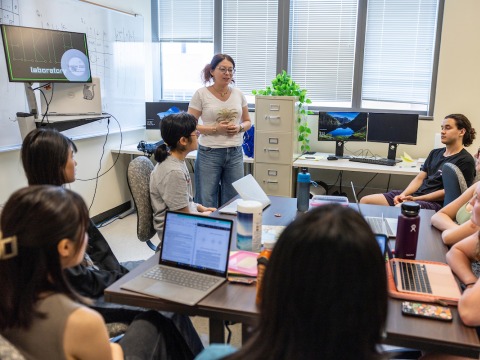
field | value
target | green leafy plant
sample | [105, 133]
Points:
[283, 85]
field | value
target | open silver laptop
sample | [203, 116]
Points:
[72, 99]
[423, 277]
[379, 225]
[193, 260]
[248, 189]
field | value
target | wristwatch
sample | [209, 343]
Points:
[241, 128]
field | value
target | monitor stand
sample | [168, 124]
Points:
[392, 152]
[339, 146]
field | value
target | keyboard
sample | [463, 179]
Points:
[415, 277]
[386, 162]
[188, 279]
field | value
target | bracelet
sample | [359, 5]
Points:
[214, 130]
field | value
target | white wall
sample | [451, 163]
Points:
[112, 188]
[457, 91]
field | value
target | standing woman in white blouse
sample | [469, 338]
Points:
[224, 116]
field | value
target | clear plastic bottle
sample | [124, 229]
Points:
[407, 231]
[303, 190]
[262, 262]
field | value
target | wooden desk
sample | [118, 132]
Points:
[236, 302]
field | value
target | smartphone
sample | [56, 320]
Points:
[430, 311]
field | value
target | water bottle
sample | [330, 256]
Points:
[303, 190]
[407, 231]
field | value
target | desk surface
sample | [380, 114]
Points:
[320, 162]
[132, 150]
[236, 302]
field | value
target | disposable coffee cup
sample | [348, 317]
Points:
[249, 225]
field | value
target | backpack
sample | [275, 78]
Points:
[248, 141]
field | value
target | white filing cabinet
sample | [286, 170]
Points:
[276, 144]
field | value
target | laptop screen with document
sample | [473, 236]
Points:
[195, 242]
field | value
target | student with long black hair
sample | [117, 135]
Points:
[43, 232]
[324, 293]
[48, 159]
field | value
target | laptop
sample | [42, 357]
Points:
[193, 259]
[73, 99]
[425, 278]
[379, 225]
[248, 189]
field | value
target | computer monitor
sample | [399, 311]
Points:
[393, 129]
[341, 127]
[156, 111]
[42, 55]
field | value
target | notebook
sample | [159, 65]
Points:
[193, 259]
[423, 281]
[379, 225]
[248, 189]
[73, 99]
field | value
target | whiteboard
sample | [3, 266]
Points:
[116, 51]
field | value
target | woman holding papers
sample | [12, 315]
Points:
[43, 232]
[224, 114]
[324, 292]
[170, 183]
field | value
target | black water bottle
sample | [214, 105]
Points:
[407, 231]
[303, 190]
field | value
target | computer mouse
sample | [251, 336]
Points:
[332, 158]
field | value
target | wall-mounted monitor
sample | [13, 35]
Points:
[341, 127]
[41, 55]
[393, 129]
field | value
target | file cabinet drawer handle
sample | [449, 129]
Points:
[270, 182]
[272, 117]
[269, 149]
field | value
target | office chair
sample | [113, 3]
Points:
[138, 178]
[453, 182]
[8, 351]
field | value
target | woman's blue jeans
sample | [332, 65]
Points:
[215, 171]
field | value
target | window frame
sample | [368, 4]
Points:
[282, 52]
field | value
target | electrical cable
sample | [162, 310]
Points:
[118, 153]
[100, 167]
[364, 186]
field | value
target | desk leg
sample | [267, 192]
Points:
[132, 205]
[216, 331]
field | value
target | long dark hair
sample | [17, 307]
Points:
[324, 294]
[39, 217]
[172, 128]
[44, 156]
[217, 58]
[462, 122]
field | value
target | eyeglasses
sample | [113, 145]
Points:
[225, 70]
[195, 133]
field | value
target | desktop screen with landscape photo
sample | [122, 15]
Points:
[345, 126]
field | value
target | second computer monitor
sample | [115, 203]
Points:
[393, 129]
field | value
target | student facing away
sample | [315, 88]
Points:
[324, 293]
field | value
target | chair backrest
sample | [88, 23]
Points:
[138, 177]
[8, 351]
[453, 182]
